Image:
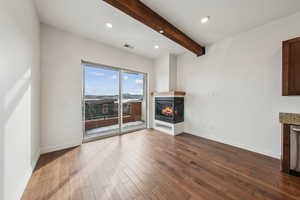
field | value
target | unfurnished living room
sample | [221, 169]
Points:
[149, 99]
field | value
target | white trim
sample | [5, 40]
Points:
[35, 159]
[242, 146]
[23, 184]
[71, 144]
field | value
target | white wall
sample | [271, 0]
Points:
[234, 91]
[19, 92]
[165, 70]
[172, 72]
[161, 71]
[61, 85]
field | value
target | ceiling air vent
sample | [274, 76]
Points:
[128, 46]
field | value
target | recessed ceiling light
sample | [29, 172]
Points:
[161, 31]
[108, 25]
[156, 47]
[205, 19]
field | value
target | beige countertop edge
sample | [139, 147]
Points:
[289, 118]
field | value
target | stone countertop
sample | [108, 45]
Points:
[289, 118]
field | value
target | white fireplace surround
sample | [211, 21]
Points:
[165, 127]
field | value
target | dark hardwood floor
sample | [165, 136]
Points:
[152, 165]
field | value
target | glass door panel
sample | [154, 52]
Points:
[134, 101]
[101, 102]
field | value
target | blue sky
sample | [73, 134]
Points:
[100, 81]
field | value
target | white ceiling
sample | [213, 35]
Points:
[228, 17]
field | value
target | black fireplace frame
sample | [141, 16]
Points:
[177, 104]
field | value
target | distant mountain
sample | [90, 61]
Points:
[132, 96]
[125, 96]
[101, 97]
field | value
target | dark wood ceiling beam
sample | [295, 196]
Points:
[144, 14]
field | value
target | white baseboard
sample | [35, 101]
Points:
[35, 159]
[242, 146]
[70, 144]
[23, 183]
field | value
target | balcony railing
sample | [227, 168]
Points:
[102, 113]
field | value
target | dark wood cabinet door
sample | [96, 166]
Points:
[291, 67]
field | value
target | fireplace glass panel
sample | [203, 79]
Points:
[169, 109]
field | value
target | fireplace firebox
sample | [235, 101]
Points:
[169, 109]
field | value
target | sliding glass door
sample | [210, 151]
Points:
[134, 101]
[103, 88]
[101, 101]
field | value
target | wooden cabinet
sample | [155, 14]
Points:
[291, 67]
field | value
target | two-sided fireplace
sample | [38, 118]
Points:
[169, 109]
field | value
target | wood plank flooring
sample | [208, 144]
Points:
[152, 165]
